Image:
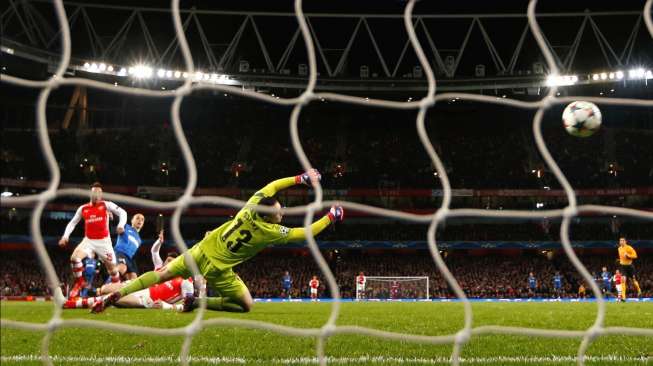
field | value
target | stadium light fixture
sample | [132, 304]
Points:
[561, 80]
[141, 71]
[6, 194]
[7, 50]
[638, 73]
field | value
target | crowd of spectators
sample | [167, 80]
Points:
[377, 229]
[353, 147]
[480, 276]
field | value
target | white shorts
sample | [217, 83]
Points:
[100, 247]
[313, 291]
[144, 298]
[360, 288]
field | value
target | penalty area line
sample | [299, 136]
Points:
[616, 359]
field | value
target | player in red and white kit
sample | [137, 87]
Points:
[394, 290]
[360, 286]
[162, 296]
[617, 282]
[314, 285]
[97, 241]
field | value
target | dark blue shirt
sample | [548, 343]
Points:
[287, 281]
[557, 281]
[606, 278]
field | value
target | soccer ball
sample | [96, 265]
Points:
[581, 119]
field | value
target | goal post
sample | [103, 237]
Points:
[389, 287]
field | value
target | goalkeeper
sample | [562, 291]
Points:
[232, 243]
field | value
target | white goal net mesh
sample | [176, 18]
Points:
[459, 339]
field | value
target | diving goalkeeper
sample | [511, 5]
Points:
[232, 243]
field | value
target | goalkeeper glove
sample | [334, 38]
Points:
[336, 213]
[306, 177]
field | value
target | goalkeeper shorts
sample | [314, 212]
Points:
[628, 270]
[226, 282]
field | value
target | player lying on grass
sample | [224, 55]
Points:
[161, 296]
[232, 243]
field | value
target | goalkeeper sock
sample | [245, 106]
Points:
[222, 304]
[623, 289]
[637, 288]
[144, 281]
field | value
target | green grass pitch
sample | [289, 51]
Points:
[228, 345]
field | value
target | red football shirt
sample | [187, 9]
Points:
[169, 291]
[96, 220]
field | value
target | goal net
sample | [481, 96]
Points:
[393, 288]
[458, 339]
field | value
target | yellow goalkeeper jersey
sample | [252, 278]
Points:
[629, 251]
[241, 238]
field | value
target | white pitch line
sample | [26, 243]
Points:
[334, 360]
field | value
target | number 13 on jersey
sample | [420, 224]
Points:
[244, 236]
